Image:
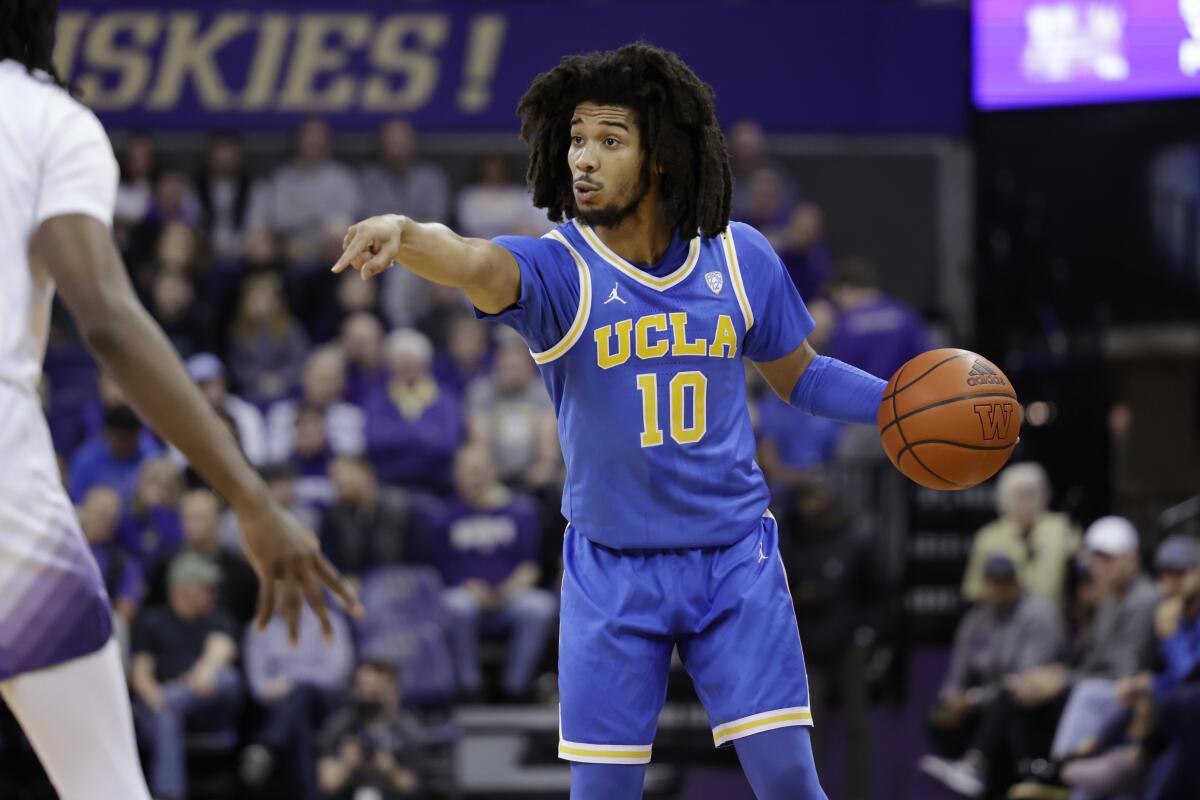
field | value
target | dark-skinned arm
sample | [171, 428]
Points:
[77, 251]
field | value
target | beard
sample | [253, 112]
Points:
[612, 215]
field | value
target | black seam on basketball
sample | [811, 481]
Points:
[954, 399]
[903, 438]
[911, 445]
[900, 388]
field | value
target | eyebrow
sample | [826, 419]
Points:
[614, 124]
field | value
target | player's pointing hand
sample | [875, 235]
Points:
[371, 246]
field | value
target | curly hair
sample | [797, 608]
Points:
[674, 111]
[27, 34]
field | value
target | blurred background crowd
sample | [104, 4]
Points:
[1038, 636]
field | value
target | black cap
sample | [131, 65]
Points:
[1000, 568]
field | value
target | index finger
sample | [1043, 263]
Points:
[359, 243]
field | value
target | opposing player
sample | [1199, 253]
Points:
[59, 667]
[638, 310]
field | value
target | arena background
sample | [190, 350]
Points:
[1049, 220]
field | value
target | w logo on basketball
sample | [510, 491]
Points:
[994, 418]
[982, 373]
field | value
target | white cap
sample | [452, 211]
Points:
[1113, 536]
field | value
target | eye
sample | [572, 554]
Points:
[611, 142]
[576, 140]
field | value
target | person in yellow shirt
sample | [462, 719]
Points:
[1039, 542]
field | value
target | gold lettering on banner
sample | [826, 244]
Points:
[67, 34]
[101, 53]
[419, 65]
[314, 55]
[186, 53]
[483, 55]
[273, 32]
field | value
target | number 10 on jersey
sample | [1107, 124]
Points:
[685, 387]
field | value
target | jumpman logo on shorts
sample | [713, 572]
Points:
[761, 555]
[613, 296]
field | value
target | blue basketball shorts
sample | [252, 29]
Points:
[727, 609]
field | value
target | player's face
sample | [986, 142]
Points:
[608, 170]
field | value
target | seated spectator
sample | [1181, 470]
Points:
[139, 169]
[200, 515]
[510, 413]
[466, 355]
[267, 346]
[372, 748]
[401, 183]
[209, 374]
[297, 686]
[367, 525]
[1008, 632]
[792, 444]
[1066, 703]
[172, 202]
[311, 200]
[361, 341]
[112, 457]
[748, 153]
[99, 515]
[322, 391]
[443, 304]
[413, 426]
[495, 204]
[1129, 742]
[1039, 541]
[873, 332]
[485, 544]
[769, 209]
[173, 306]
[223, 189]
[151, 530]
[311, 456]
[182, 672]
[803, 251]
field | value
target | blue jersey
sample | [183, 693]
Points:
[644, 366]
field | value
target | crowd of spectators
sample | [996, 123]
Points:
[398, 427]
[1073, 675]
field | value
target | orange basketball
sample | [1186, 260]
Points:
[949, 419]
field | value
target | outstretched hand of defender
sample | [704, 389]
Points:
[371, 246]
[291, 569]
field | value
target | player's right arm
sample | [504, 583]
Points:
[486, 272]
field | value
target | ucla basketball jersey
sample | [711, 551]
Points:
[644, 367]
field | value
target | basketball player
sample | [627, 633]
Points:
[638, 309]
[59, 667]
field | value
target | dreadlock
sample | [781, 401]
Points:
[674, 110]
[27, 34]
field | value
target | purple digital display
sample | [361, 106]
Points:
[1058, 52]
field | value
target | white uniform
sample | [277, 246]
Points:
[59, 672]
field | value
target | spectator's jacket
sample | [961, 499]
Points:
[1181, 657]
[1123, 629]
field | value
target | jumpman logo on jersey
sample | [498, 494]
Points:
[761, 555]
[613, 296]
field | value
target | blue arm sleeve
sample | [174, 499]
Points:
[549, 297]
[833, 389]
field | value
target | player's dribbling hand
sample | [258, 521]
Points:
[371, 246]
[291, 569]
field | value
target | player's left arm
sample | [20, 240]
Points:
[777, 341]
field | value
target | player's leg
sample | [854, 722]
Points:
[614, 657]
[747, 664]
[76, 715]
[779, 764]
[618, 781]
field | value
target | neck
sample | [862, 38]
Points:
[643, 236]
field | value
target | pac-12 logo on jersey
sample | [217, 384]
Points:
[715, 281]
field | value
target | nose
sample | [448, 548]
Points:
[586, 161]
